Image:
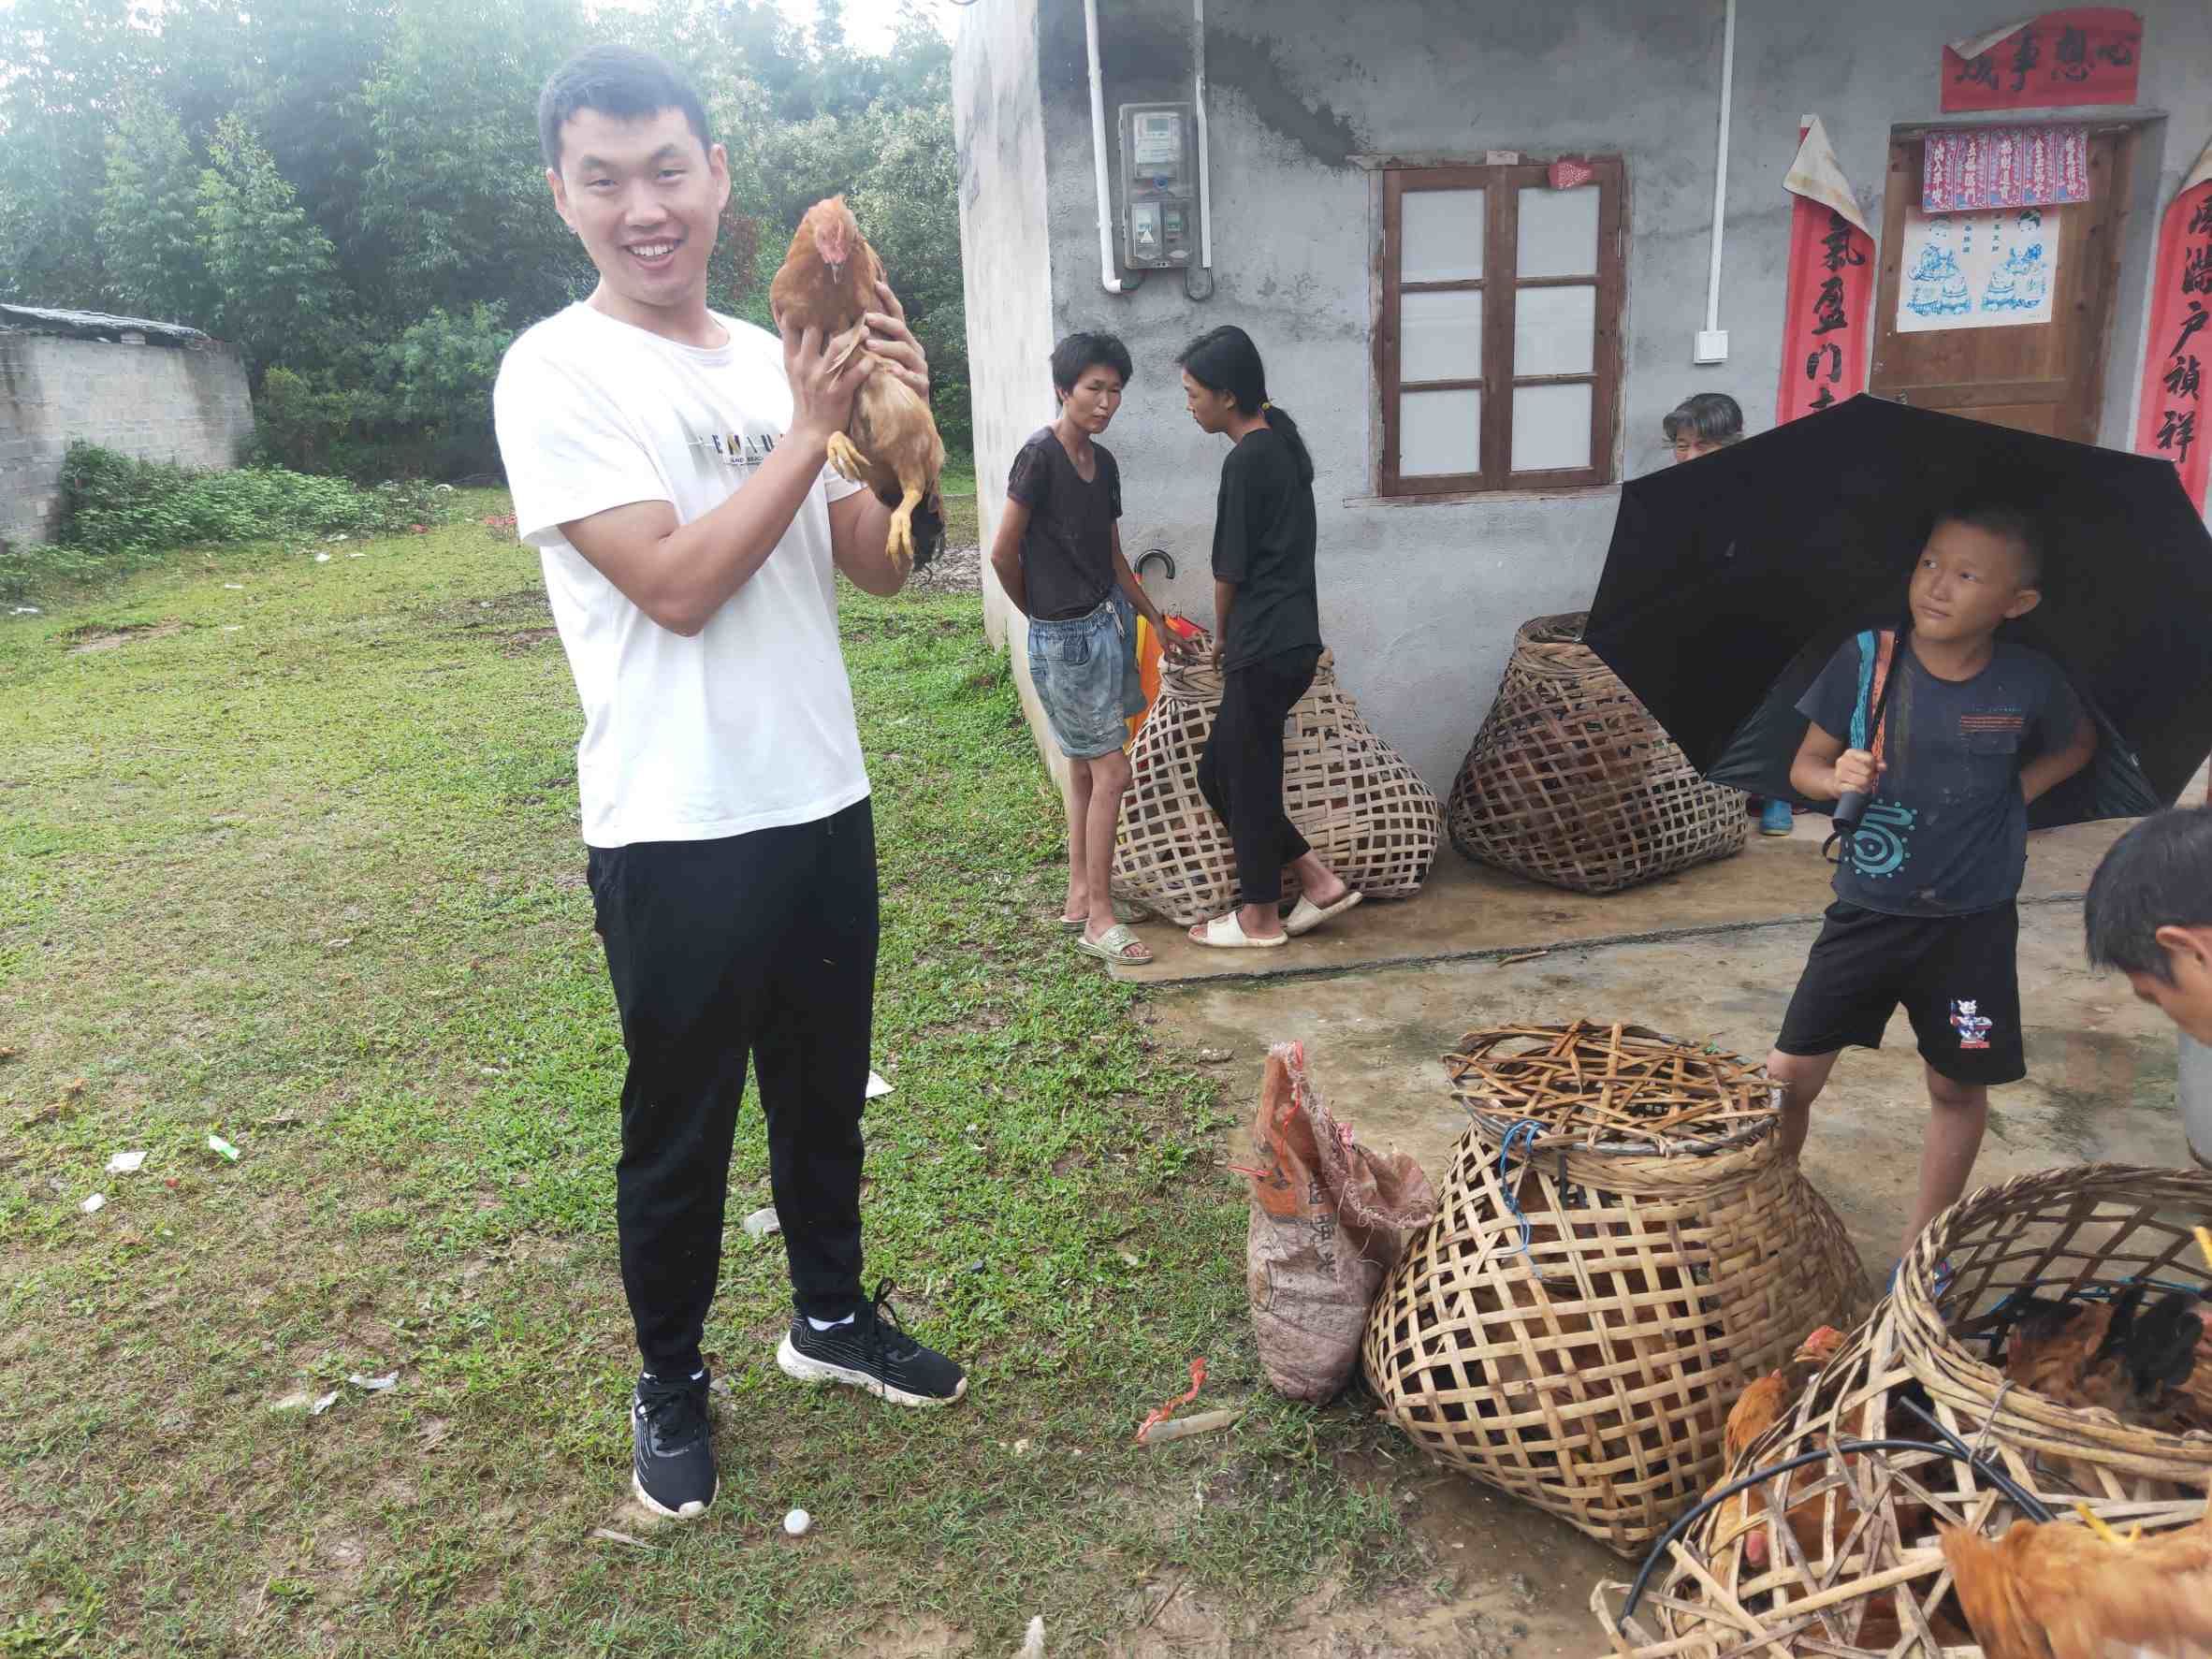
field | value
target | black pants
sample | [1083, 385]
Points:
[759, 946]
[1240, 773]
[1958, 977]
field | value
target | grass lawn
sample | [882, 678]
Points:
[288, 855]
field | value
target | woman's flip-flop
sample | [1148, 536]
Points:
[1226, 933]
[1305, 915]
[1114, 946]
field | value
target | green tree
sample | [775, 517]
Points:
[64, 67]
[149, 232]
[455, 199]
[351, 190]
[274, 271]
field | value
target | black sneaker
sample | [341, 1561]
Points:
[672, 1465]
[871, 1353]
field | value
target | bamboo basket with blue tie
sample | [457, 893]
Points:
[1621, 1247]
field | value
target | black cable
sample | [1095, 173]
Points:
[2033, 1507]
[1839, 1448]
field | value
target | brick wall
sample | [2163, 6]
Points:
[155, 402]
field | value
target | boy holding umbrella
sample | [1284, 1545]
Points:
[1949, 734]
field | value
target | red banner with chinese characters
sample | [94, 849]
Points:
[2171, 422]
[1828, 292]
[2088, 54]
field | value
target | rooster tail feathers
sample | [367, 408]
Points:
[2161, 1346]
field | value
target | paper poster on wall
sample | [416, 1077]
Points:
[1978, 271]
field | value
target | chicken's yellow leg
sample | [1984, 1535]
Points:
[901, 544]
[2096, 1523]
[846, 459]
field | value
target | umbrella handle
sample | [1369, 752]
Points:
[1851, 807]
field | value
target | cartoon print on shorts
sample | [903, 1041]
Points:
[1974, 1026]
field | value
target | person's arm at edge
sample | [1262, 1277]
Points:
[2045, 772]
[1006, 552]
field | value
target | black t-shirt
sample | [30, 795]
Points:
[1947, 833]
[1264, 541]
[1067, 550]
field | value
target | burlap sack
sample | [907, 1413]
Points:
[1329, 1219]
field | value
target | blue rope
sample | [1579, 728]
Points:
[1525, 1133]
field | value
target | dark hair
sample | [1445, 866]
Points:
[1224, 359]
[2000, 516]
[1082, 352]
[616, 80]
[1710, 417]
[2157, 875]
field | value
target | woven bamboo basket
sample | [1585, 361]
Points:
[1571, 781]
[1367, 813]
[1850, 1562]
[1670, 1255]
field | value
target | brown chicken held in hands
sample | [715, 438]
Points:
[2059, 1591]
[828, 282]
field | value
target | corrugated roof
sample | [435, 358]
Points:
[98, 325]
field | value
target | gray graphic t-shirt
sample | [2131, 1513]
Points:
[1946, 834]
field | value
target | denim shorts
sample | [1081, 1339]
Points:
[1084, 670]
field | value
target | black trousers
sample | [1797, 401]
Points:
[1240, 771]
[759, 947]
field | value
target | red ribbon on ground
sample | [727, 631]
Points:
[1161, 1414]
[2170, 422]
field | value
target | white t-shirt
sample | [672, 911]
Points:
[747, 725]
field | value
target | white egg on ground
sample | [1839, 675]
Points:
[797, 1523]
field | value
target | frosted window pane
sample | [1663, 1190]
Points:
[1440, 235]
[1440, 336]
[1558, 233]
[1550, 427]
[1439, 432]
[1554, 331]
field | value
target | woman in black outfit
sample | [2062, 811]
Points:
[1267, 639]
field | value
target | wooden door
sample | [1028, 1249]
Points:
[2041, 377]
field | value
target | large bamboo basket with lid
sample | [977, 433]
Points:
[1367, 814]
[1572, 782]
[1849, 1562]
[1621, 1249]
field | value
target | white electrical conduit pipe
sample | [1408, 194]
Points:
[1204, 171]
[1108, 278]
[1720, 179]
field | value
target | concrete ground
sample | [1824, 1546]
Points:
[1711, 954]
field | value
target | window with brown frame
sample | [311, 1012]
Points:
[1500, 354]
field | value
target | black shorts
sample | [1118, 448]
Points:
[1959, 977]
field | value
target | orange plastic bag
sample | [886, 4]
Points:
[1329, 1219]
[1148, 653]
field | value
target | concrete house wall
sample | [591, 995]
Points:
[1419, 599]
[156, 402]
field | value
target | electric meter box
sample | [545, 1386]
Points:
[1160, 190]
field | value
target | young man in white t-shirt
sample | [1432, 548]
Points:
[667, 462]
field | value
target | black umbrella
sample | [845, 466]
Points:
[1733, 578]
